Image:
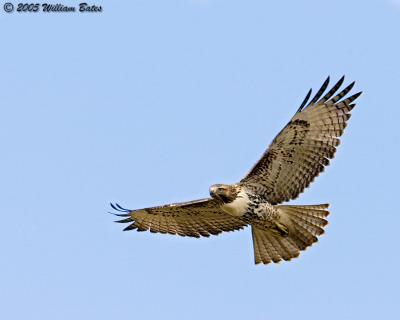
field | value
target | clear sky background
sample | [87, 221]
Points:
[151, 102]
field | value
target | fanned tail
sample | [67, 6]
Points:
[304, 225]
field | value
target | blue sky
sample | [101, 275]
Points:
[151, 102]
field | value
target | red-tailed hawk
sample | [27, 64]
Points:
[295, 157]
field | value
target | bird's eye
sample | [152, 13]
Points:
[224, 198]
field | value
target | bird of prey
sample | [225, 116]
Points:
[295, 157]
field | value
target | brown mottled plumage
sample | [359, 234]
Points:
[295, 157]
[303, 148]
[193, 219]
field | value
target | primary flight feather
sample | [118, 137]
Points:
[295, 157]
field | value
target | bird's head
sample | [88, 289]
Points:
[224, 192]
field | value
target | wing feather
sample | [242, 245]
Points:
[193, 219]
[305, 145]
[320, 92]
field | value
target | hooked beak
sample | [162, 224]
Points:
[213, 191]
[219, 192]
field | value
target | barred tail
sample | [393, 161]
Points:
[300, 226]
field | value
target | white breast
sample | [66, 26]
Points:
[237, 207]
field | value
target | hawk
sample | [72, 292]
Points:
[295, 157]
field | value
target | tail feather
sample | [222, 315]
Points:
[305, 224]
[284, 248]
[263, 250]
[308, 226]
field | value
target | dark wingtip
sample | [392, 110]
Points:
[124, 220]
[340, 81]
[326, 82]
[132, 226]
[117, 207]
[356, 95]
[117, 214]
[304, 101]
[320, 92]
[328, 79]
[351, 85]
[333, 90]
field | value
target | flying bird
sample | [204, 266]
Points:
[295, 157]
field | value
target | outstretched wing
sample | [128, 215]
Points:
[193, 219]
[303, 148]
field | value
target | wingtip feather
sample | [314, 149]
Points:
[117, 207]
[304, 101]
